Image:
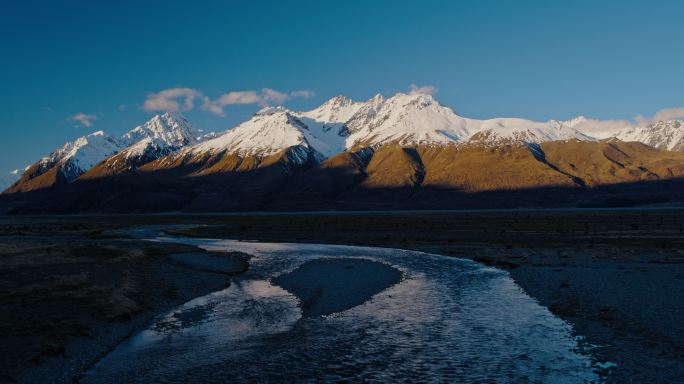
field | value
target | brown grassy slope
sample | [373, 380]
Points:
[477, 168]
[33, 179]
[212, 163]
[184, 163]
[599, 163]
[393, 167]
[114, 165]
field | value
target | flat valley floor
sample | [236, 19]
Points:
[73, 287]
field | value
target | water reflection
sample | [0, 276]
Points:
[447, 320]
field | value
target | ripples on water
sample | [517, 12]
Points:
[448, 320]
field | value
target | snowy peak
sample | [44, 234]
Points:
[326, 122]
[77, 156]
[159, 136]
[268, 132]
[418, 119]
[376, 100]
[666, 134]
[170, 129]
[667, 124]
[575, 121]
[512, 130]
[404, 119]
[339, 109]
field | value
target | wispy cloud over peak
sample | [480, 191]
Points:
[83, 119]
[663, 114]
[303, 93]
[184, 99]
[265, 97]
[422, 90]
[172, 99]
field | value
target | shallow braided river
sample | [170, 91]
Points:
[447, 320]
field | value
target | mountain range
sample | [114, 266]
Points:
[406, 151]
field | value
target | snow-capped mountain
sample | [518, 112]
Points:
[268, 132]
[327, 122]
[406, 120]
[665, 135]
[341, 124]
[68, 162]
[336, 126]
[345, 153]
[158, 137]
[599, 129]
[77, 156]
[170, 129]
[503, 131]
[668, 135]
[420, 120]
[333, 112]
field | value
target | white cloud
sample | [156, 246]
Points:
[265, 97]
[15, 172]
[84, 119]
[422, 90]
[271, 96]
[596, 127]
[663, 114]
[172, 99]
[239, 97]
[303, 93]
[231, 98]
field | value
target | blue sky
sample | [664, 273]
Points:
[532, 59]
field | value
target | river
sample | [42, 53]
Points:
[446, 320]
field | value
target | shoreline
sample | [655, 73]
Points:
[61, 343]
[614, 276]
[613, 280]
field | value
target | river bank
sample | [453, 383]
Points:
[614, 275]
[69, 299]
[365, 314]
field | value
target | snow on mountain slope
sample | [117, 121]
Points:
[668, 135]
[77, 156]
[599, 129]
[406, 120]
[171, 129]
[268, 132]
[158, 137]
[337, 110]
[327, 121]
[420, 120]
[506, 130]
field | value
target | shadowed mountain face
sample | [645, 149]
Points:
[568, 173]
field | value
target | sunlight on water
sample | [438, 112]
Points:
[447, 320]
